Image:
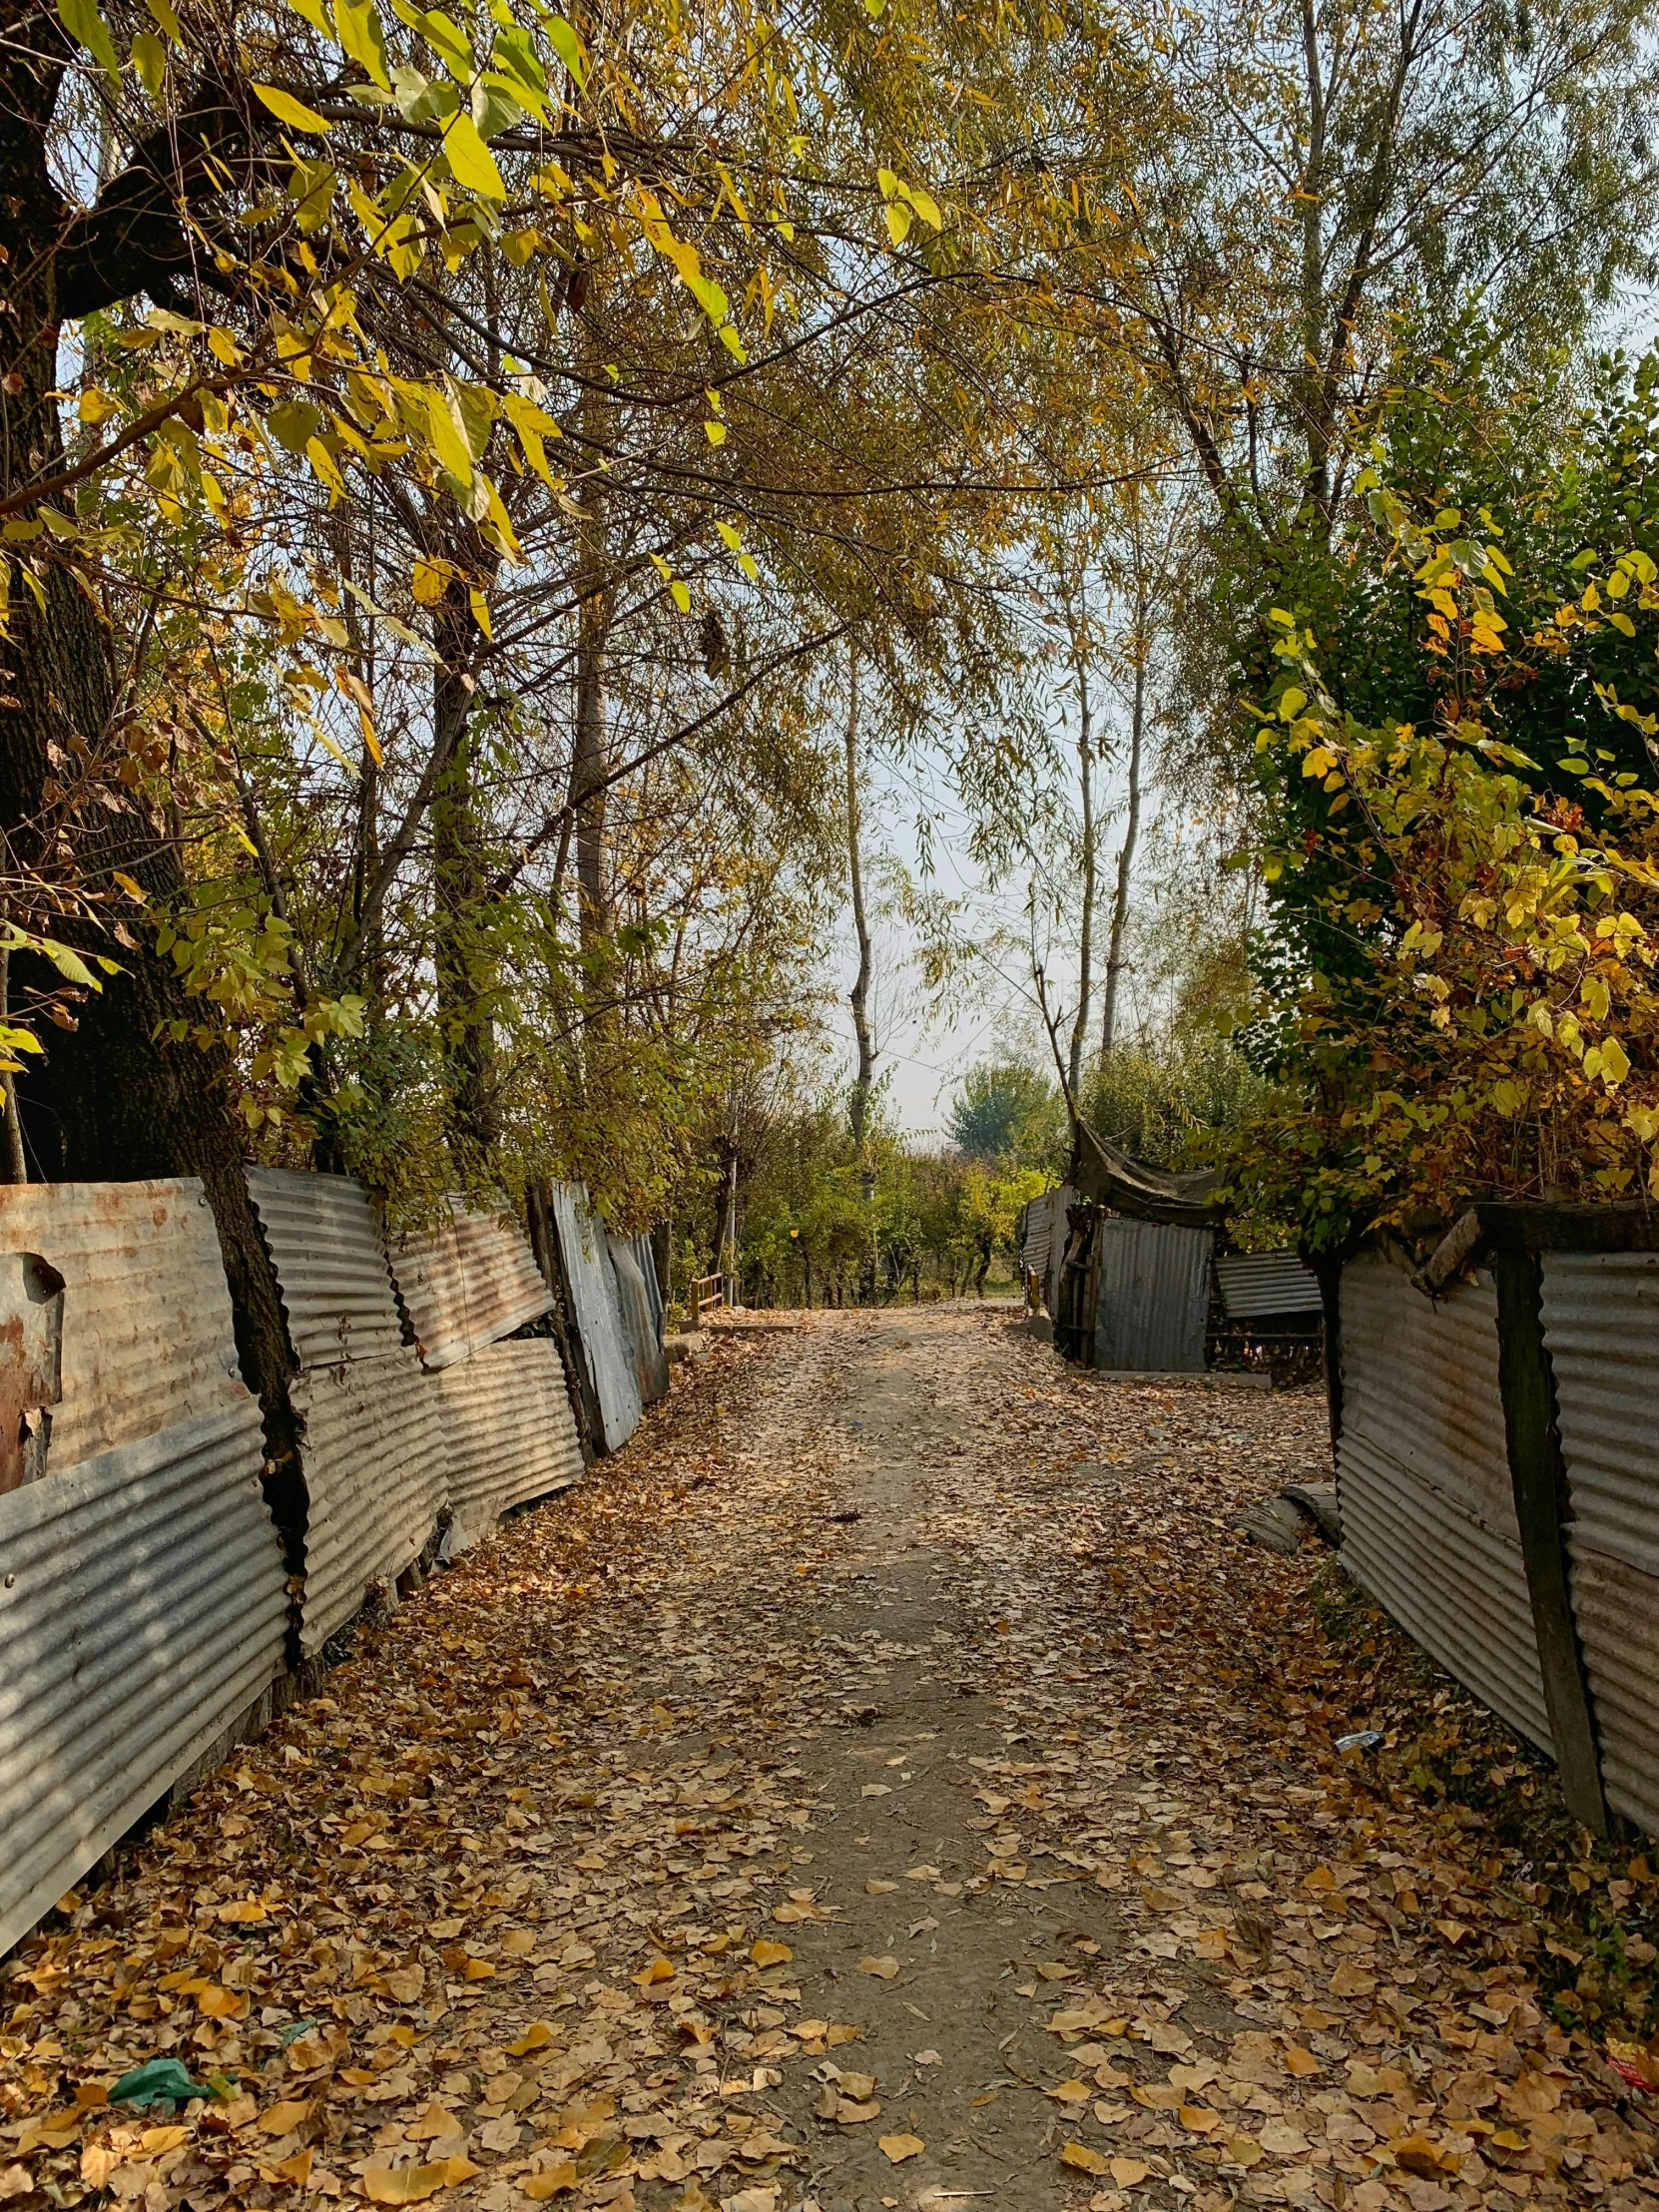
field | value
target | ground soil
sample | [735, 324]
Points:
[894, 1781]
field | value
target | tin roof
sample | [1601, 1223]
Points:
[146, 1335]
[1255, 1283]
[508, 1432]
[467, 1283]
[374, 1461]
[1429, 1516]
[596, 1313]
[142, 1612]
[328, 1250]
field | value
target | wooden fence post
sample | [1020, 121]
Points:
[1538, 1477]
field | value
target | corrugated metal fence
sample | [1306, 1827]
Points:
[1498, 1471]
[145, 1618]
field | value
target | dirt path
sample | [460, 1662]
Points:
[879, 1788]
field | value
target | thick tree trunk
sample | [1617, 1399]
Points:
[460, 959]
[120, 1096]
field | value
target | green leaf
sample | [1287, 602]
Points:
[471, 163]
[362, 38]
[295, 113]
[568, 47]
[87, 28]
[70, 964]
[150, 60]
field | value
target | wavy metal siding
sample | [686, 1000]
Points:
[374, 1472]
[630, 1258]
[142, 1612]
[146, 1335]
[1601, 1329]
[1422, 1474]
[508, 1434]
[597, 1314]
[1036, 1234]
[467, 1285]
[1255, 1283]
[330, 1253]
[1153, 1302]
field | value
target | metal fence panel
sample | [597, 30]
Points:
[1153, 1304]
[508, 1434]
[597, 1314]
[375, 1473]
[1601, 1330]
[142, 1613]
[146, 1335]
[330, 1253]
[1253, 1284]
[467, 1285]
[1422, 1474]
[641, 1326]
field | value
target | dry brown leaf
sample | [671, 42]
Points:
[278, 2119]
[433, 2123]
[876, 1887]
[536, 2037]
[1300, 2062]
[884, 1968]
[1129, 2172]
[896, 2148]
[1085, 2159]
[766, 1953]
[412, 2184]
[552, 2182]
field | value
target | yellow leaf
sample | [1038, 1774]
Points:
[536, 2037]
[221, 2004]
[898, 221]
[281, 2120]
[928, 208]
[150, 61]
[411, 2184]
[680, 593]
[552, 2183]
[766, 1953]
[896, 2148]
[296, 2169]
[245, 1909]
[660, 1970]
[884, 1969]
[157, 2140]
[433, 2123]
[520, 1942]
[295, 113]
[1125, 2172]
[448, 436]
[715, 432]
[471, 163]
[1085, 2160]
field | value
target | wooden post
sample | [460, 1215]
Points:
[1539, 1476]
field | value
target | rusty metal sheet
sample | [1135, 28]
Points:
[327, 1246]
[146, 1335]
[1253, 1284]
[1422, 1472]
[597, 1314]
[1153, 1302]
[1601, 1330]
[641, 1311]
[372, 1453]
[142, 1613]
[508, 1434]
[31, 1364]
[467, 1283]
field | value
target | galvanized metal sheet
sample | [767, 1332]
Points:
[1422, 1472]
[146, 1335]
[597, 1315]
[1060, 1202]
[1253, 1284]
[374, 1459]
[508, 1434]
[1601, 1330]
[142, 1612]
[467, 1285]
[640, 1325]
[330, 1253]
[1036, 1228]
[1153, 1304]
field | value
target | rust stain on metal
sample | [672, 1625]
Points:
[467, 1283]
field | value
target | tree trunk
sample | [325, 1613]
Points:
[858, 997]
[1086, 940]
[1115, 955]
[459, 956]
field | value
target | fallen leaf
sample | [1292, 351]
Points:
[296, 2169]
[1085, 2160]
[155, 2141]
[884, 1969]
[1070, 2092]
[896, 2148]
[765, 1953]
[874, 1888]
[1128, 2172]
[432, 2123]
[1300, 2062]
[553, 2182]
[280, 2120]
[536, 2037]
[1198, 2118]
[411, 2184]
